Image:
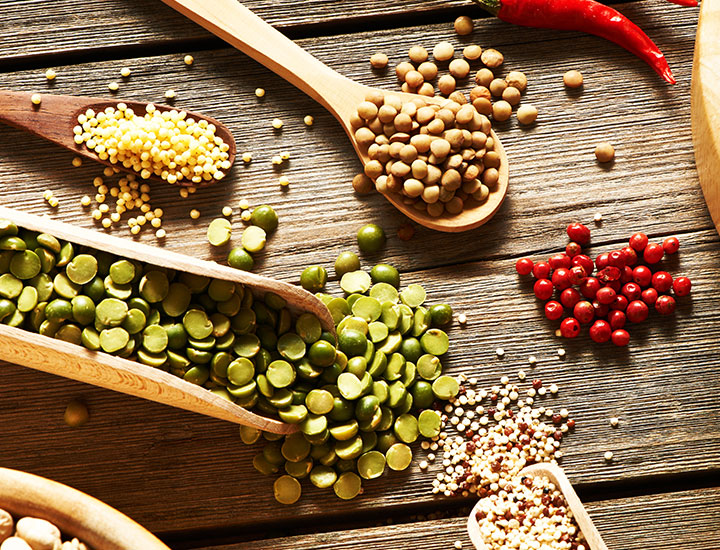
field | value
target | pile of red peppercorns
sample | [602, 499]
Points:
[622, 289]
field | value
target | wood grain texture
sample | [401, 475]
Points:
[687, 518]
[663, 388]
[74, 513]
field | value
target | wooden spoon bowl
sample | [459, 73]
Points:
[56, 116]
[73, 512]
[556, 475]
[115, 373]
[241, 28]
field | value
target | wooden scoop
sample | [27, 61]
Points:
[705, 112]
[241, 28]
[108, 371]
[73, 512]
[556, 475]
[56, 116]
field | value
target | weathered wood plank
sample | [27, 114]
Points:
[553, 175]
[662, 389]
[629, 523]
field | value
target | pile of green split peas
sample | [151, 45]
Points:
[368, 398]
[359, 400]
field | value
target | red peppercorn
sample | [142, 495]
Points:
[601, 310]
[609, 274]
[662, 281]
[561, 278]
[617, 319]
[524, 266]
[616, 258]
[569, 297]
[584, 312]
[537, 384]
[601, 262]
[682, 286]
[642, 276]
[577, 274]
[570, 423]
[578, 233]
[569, 328]
[600, 331]
[620, 337]
[572, 249]
[631, 291]
[627, 275]
[541, 270]
[543, 289]
[554, 310]
[619, 303]
[671, 245]
[649, 296]
[605, 295]
[560, 260]
[630, 255]
[582, 260]
[665, 305]
[653, 253]
[589, 287]
[638, 241]
[637, 311]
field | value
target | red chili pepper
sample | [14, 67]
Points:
[690, 3]
[586, 16]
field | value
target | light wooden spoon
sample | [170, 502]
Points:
[100, 369]
[56, 116]
[705, 111]
[241, 28]
[73, 512]
[556, 475]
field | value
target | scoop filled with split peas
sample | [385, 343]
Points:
[154, 142]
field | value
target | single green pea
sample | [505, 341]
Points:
[82, 269]
[239, 258]
[441, 314]
[346, 262]
[371, 238]
[352, 342]
[323, 477]
[83, 309]
[122, 272]
[385, 273]
[322, 353]
[398, 456]
[253, 238]
[313, 278]
[219, 231]
[264, 216]
[25, 264]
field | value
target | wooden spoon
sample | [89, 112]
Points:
[73, 512]
[56, 116]
[705, 112]
[108, 371]
[556, 475]
[241, 28]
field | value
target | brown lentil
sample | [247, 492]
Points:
[492, 58]
[573, 79]
[443, 51]
[414, 79]
[402, 69]
[497, 87]
[379, 60]
[446, 84]
[484, 77]
[463, 25]
[516, 79]
[527, 114]
[501, 110]
[459, 68]
[426, 89]
[604, 152]
[472, 52]
[428, 69]
[483, 105]
[511, 95]
[418, 54]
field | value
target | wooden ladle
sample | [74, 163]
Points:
[556, 475]
[115, 373]
[56, 116]
[241, 28]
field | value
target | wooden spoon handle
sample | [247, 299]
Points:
[241, 28]
[53, 119]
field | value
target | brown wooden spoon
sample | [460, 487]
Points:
[56, 116]
[241, 28]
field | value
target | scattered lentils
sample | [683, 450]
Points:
[463, 25]
[573, 79]
[379, 60]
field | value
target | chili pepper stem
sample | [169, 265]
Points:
[492, 6]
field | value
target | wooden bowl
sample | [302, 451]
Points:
[73, 512]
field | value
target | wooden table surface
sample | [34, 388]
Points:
[189, 478]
